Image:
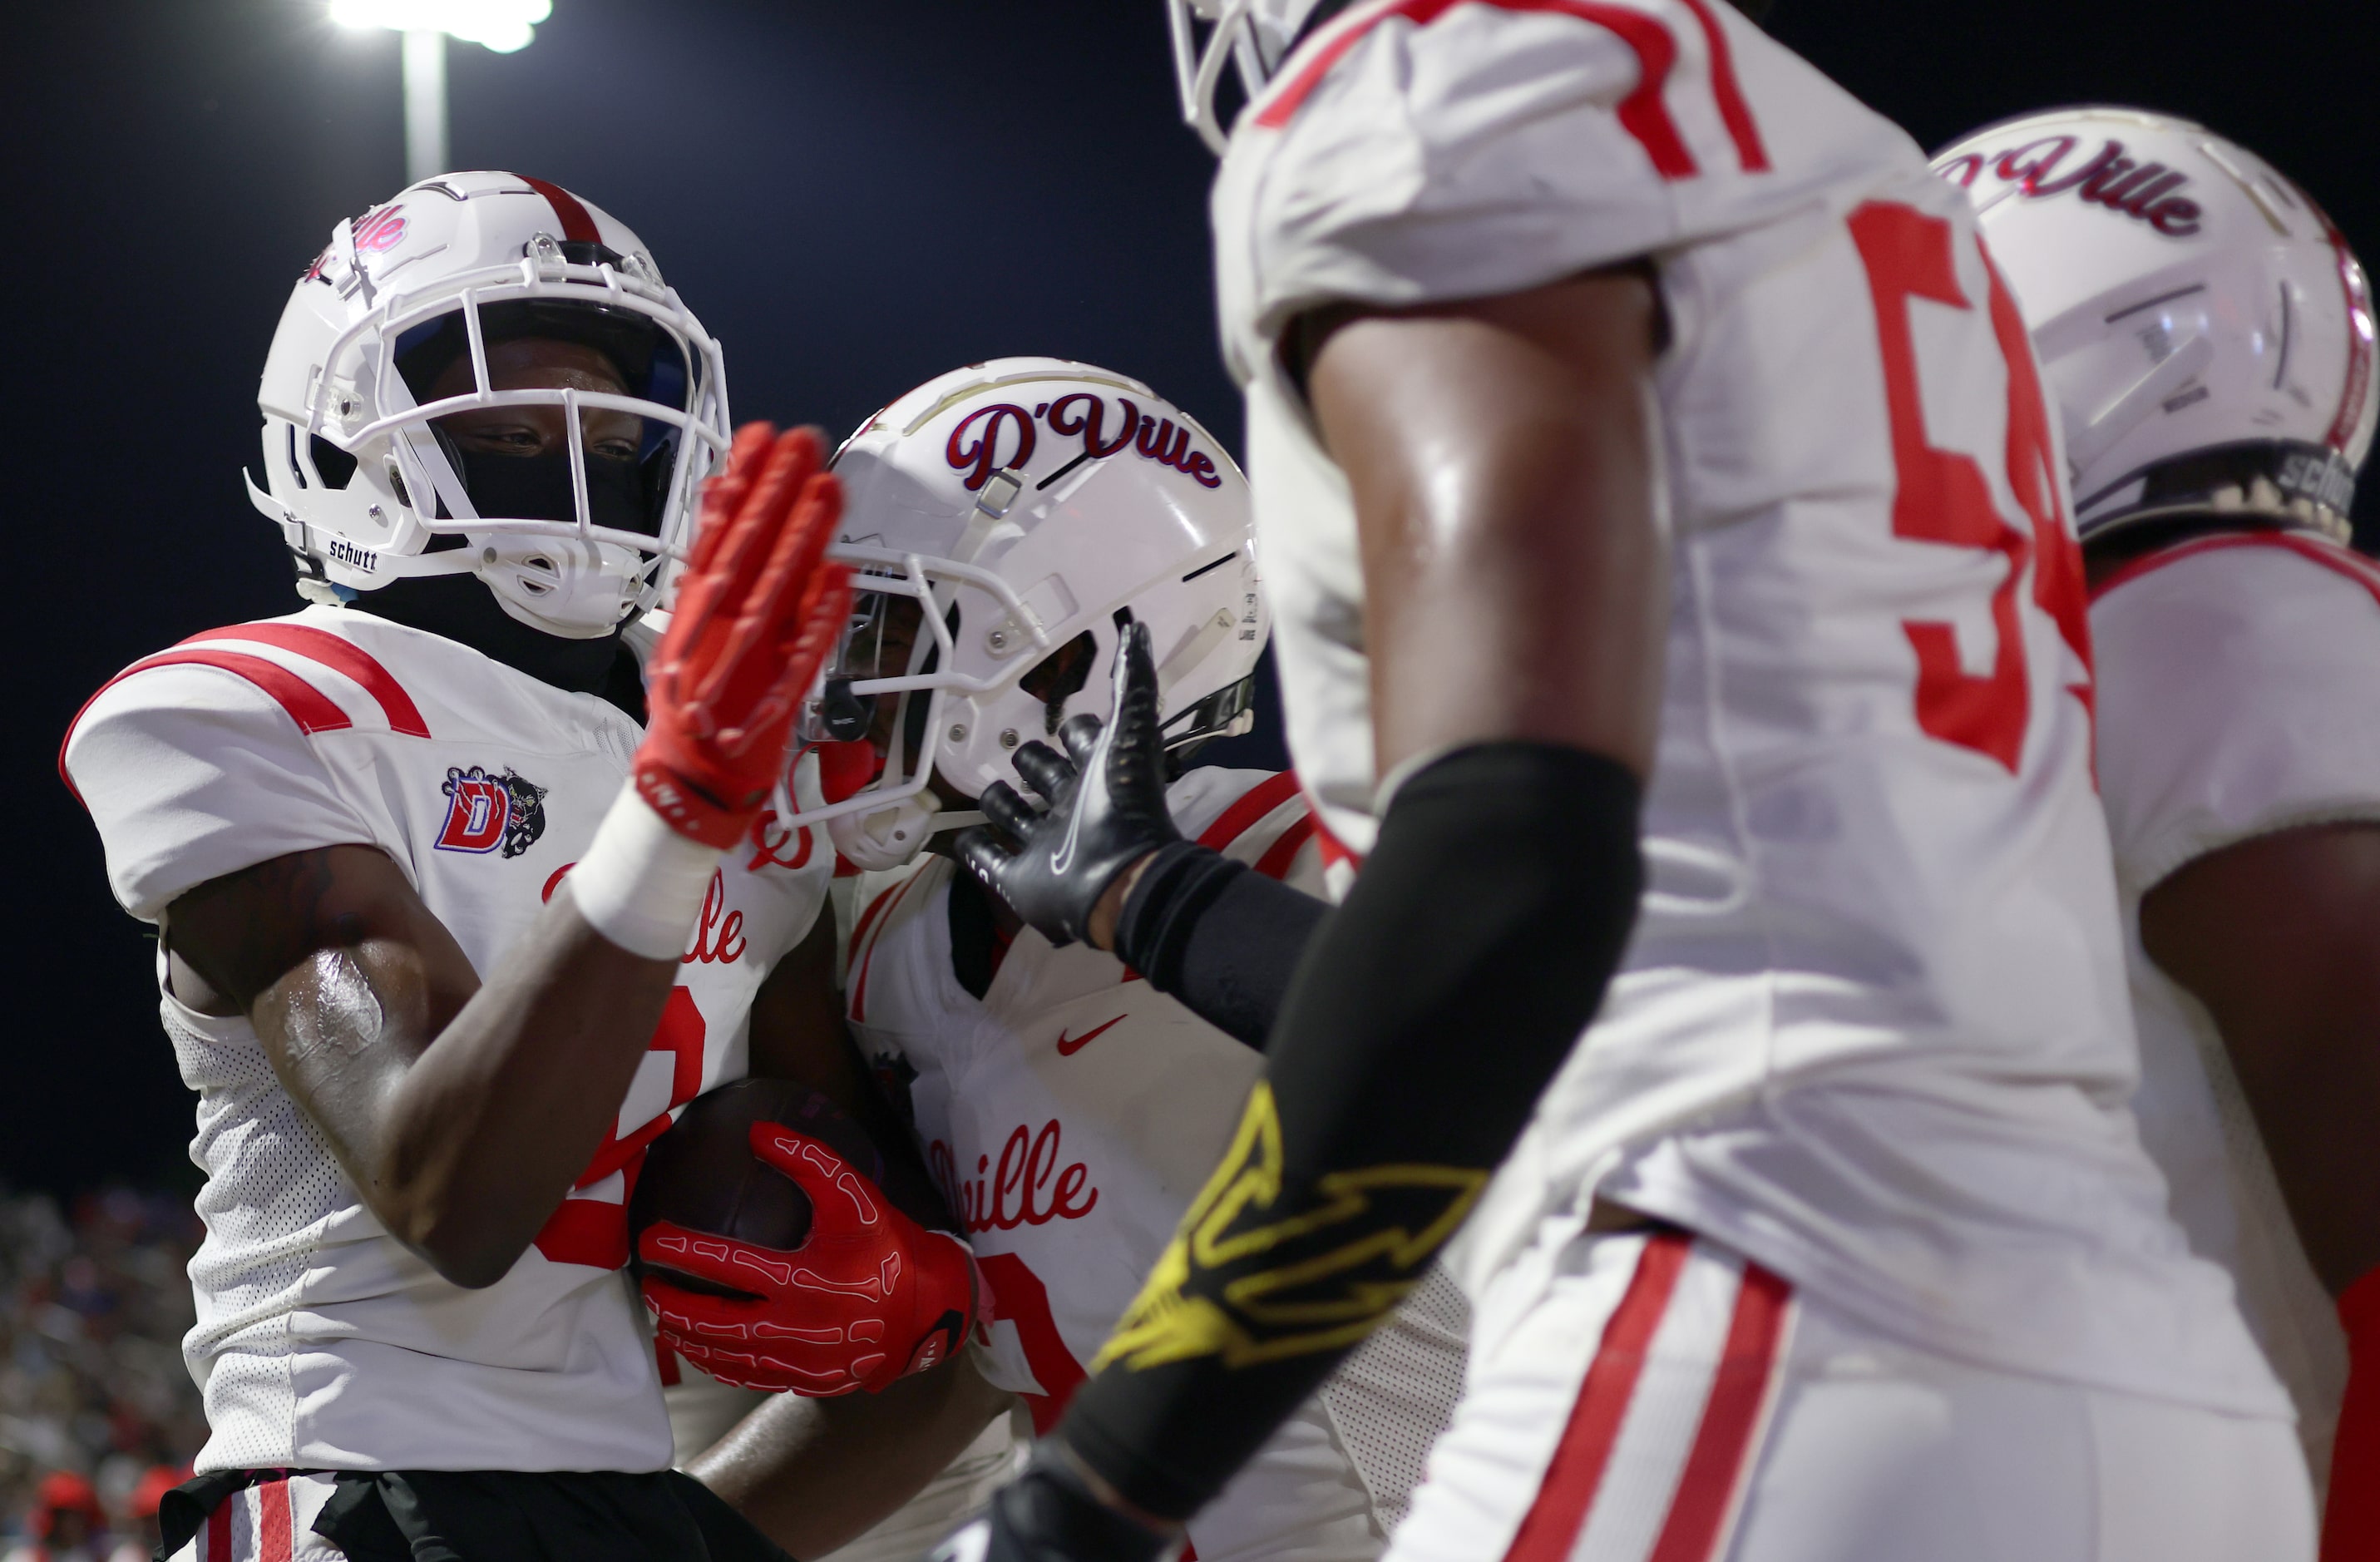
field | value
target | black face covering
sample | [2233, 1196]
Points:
[461, 608]
[619, 494]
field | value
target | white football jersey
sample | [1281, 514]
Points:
[1872, 1029]
[2237, 697]
[322, 1341]
[1072, 1114]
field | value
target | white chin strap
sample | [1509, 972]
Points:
[578, 589]
[892, 836]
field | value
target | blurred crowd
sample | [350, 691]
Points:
[98, 1416]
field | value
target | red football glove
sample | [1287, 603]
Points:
[869, 1297]
[757, 613]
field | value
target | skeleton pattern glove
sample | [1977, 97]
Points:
[869, 1297]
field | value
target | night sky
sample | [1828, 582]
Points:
[854, 197]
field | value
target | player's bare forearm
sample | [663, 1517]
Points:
[1502, 455]
[2279, 938]
[814, 1473]
[461, 1111]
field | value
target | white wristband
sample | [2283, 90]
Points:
[641, 883]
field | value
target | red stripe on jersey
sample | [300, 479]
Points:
[2331, 556]
[859, 978]
[1642, 114]
[219, 1530]
[341, 656]
[1732, 109]
[1550, 1529]
[1247, 808]
[578, 223]
[1274, 864]
[273, 1529]
[1714, 1473]
[311, 709]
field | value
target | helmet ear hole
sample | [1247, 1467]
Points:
[336, 466]
[1061, 675]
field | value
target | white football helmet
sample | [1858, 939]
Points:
[1023, 506]
[2204, 329]
[1252, 36]
[367, 490]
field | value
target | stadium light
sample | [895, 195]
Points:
[501, 26]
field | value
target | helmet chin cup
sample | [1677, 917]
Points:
[887, 838]
[575, 588]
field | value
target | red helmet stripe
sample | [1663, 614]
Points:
[2359, 342]
[578, 223]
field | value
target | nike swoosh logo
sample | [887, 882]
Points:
[1068, 1047]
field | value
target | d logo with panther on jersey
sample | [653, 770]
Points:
[487, 811]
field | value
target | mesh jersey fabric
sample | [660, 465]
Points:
[322, 1342]
[1872, 1029]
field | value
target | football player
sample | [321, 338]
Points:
[1008, 522]
[1657, 495]
[445, 937]
[2208, 337]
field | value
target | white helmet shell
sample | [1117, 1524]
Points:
[2205, 331]
[1026, 504]
[443, 255]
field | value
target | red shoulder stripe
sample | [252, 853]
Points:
[1275, 862]
[311, 709]
[2330, 557]
[1249, 807]
[341, 656]
[1750, 151]
[578, 223]
[1643, 113]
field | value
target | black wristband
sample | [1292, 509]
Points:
[1218, 935]
[1427, 1016]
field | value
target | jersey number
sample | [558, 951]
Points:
[595, 1231]
[1020, 1299]
[1943, 496]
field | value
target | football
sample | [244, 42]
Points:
[702, 1175]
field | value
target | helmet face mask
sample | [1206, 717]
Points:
[1001, 523]
[386, 347]
[1248, 37]
[2204, 331]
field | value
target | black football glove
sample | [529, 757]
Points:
[1047, 1514]
[1105, 809]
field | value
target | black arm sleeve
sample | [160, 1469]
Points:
[1424, 1022]
[1218, 935]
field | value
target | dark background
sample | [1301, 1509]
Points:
[853, 196]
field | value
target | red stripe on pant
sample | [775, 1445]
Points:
[1706, 1494]
[1706, 1488]
[1553, 1524]
[219, 1531]
[272, 1536]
